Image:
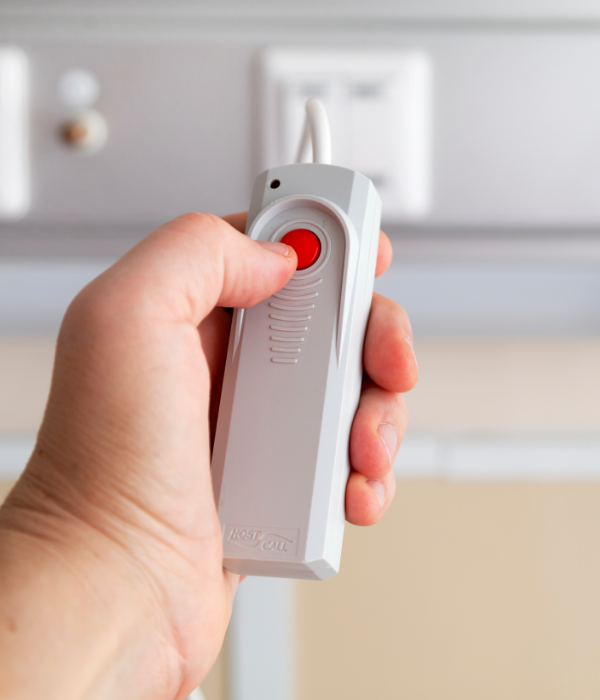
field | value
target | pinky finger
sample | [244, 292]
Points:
[367, 500]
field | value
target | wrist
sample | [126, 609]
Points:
[64, 579]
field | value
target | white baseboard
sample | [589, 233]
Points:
[261, 641]
[500, 458]
[15, 451]
[443, 456]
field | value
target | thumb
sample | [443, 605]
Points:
[192, 264]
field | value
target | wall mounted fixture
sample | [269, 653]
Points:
[14, 134]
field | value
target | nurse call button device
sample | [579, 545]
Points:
[294, 370]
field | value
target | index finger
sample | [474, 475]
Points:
[384, 253]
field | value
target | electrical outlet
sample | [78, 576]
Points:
[379, 108]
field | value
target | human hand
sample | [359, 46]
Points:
[113, 522]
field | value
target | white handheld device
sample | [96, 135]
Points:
[294, 370]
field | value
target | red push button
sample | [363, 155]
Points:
[306, 244]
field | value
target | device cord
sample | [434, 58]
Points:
[316, 136]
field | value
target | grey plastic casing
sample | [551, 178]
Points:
[292, 379]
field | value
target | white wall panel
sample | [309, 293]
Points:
[515, 138]
[511, 458]
[441, 299]
[426, 9]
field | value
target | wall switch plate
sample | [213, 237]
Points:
[14, 134]
[379, 107]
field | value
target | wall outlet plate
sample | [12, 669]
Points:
[379, 107]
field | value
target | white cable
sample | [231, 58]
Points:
[316, 135]
[196, 695]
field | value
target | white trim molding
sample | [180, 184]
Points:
[261, 641]
[490, 299]
[439, 455]
[196, 695]
[15, 451]
[500, 458]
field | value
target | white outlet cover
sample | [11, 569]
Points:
[379, 105]
[14, 134]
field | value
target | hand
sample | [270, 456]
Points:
[110, 545]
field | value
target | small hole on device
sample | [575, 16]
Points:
[274, 184]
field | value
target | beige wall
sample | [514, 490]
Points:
[464, 591]
[5, 487]
[472, 591]
[25, 369]
[469, 384]
[497, 385]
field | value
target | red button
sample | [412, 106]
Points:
[306, 245]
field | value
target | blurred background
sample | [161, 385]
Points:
[480, 124]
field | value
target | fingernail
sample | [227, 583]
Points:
[275, 247]
[389, 437]
[378, 489]
[409, 341]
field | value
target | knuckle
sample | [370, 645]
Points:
[90, 309]
[196, 224]
[196, 218]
